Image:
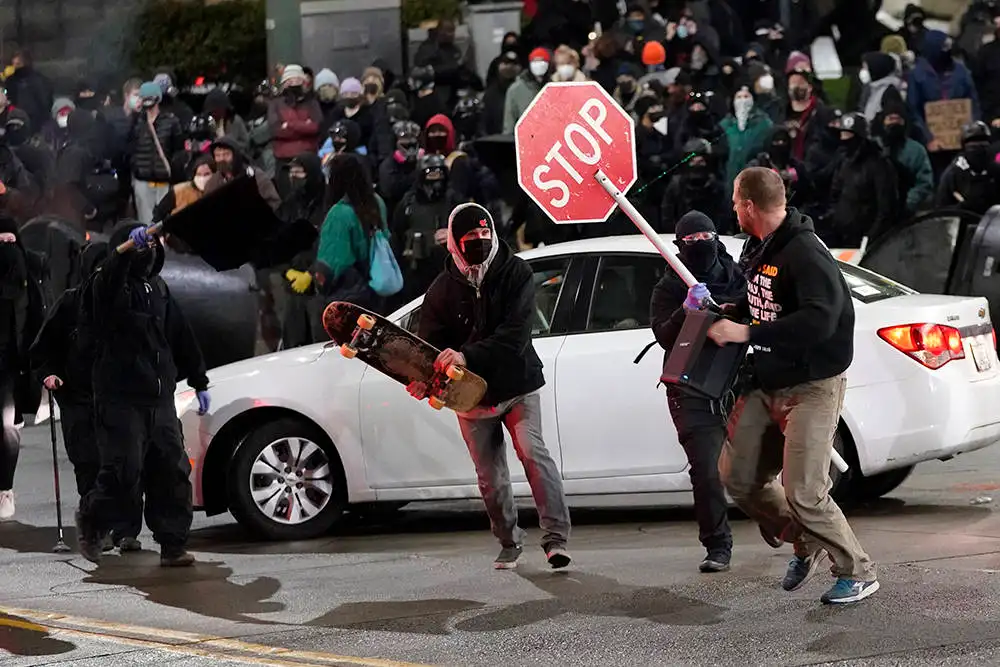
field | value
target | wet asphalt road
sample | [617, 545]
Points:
[420, 590]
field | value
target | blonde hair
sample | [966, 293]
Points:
[568, 53]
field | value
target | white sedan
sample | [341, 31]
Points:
[295, 439]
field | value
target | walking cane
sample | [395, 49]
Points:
[61, 547]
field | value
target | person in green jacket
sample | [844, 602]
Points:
[913, 164]
[341, 270]
[747, 130]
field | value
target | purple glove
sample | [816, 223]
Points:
[139, 237]
[204, 402]
[697, 294]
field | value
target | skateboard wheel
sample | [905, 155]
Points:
[348, 351]
[454, 373]
[366, 322]
[435, 402]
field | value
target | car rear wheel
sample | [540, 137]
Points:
[286, 482]
[872, 488]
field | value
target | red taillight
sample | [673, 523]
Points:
[933, 345]
[200, 81]
[994, 332]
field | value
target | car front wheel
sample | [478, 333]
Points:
[286, 482]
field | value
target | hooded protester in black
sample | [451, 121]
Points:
[483, 305]
[142, 345]
[700, 423]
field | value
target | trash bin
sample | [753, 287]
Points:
[488, 23]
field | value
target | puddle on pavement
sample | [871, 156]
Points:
[20, 636]
[203, 589]
[24, 538]
[571, 593]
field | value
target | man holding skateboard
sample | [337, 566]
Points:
[802, 335]
[480, 310]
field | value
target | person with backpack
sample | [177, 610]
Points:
[62, 358]
[344, 258]
[480, 310]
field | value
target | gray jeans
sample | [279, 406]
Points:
[147, 196]
[483, 433]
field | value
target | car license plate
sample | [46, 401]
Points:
[982, 355]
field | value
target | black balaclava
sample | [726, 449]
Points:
[13, 267]
[699, 256]
[143, 263]
[433, 178]
[473, 258]
[18, 128]
[780, 147]
[979, 155]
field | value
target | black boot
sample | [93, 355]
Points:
[88, 541]
[175, 558]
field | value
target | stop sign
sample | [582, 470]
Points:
[568, 133]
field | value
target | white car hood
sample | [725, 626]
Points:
[254, 366]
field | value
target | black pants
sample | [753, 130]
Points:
[701, 428]
[141, 450]
[80, 437]
[11, 445]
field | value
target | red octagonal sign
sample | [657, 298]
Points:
[568, 133]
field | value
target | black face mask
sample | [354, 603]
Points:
[475, 251]
[978, 156]
[371, 89]
[433, 190]
[895, 134]
[852, 145]
[141, 264]
[627, 88]
[799, 94]
[16, 135]
[87, 103]
[297, 184]
[295, 92]
[700, 256]
[339, 146]
[436, 144]
[698, 175]
[781, 152]
[656, 116]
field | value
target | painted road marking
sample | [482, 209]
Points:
[186, 643]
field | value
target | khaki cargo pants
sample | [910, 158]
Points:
[791, 430]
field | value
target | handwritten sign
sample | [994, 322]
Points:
[945, 119]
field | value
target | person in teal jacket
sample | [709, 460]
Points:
[747, 130]
[913, 164]
[341, 271]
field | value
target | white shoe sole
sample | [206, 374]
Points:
[865, 592]
[817, 560]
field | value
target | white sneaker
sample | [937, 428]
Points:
[6, 505]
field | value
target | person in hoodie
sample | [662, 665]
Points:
[379, 139]
[345, 137]
[398, 172]
[805, 115]
[865, 191]
[419, 227]
[705, 72]
[878, 74]
[747, 129]
[227, 122]
[425, 101]
[62, 357]
[696, 187]
[304, 202]
[654, 152]
[171, 101]
[700, 422]
[56, 129]
[75, 166]
[913, 166]
[525, 87]
[510, 44]
[508, 69]
[972, 180]
[938, 76]
[142, 346]
[36, 156]
[29, 89]
[230, 162]
[480, 311]
[913, 29]
[794, 174]
[439, 135]
[627, 90]
[701, 122]
[798, 316]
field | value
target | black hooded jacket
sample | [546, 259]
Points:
[491, 326]
[799, 306]
[142, 343]
[865, 196]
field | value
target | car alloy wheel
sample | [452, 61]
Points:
[291, 480]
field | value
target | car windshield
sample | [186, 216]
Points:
[868, 287]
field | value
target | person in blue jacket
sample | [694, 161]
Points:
[938, 76]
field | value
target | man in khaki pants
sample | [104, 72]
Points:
[802, 335]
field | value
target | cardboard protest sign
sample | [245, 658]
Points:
[945, 119]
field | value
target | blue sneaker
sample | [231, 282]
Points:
[849, 590]
[800, 570]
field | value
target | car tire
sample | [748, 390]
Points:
[312, 497]
[866, 489]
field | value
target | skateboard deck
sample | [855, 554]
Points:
[400, 355]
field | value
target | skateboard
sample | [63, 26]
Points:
[402, 356]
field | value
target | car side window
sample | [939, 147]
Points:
[550, 276]
[411, 321]
[624, 287]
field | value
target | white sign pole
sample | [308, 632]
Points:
[675, 263]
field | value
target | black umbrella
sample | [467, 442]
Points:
[233, 226]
